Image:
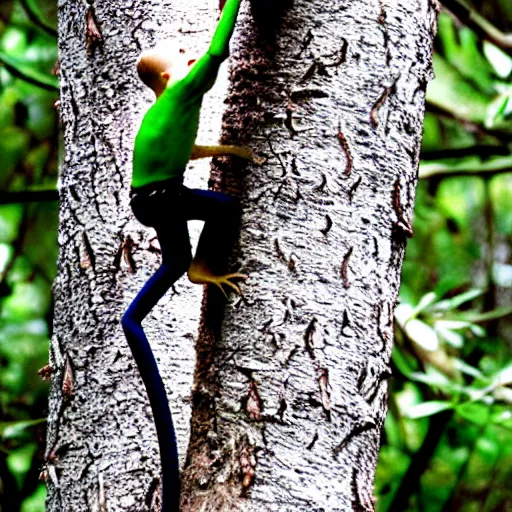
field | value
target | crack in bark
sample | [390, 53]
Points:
[68, 379]
[72, 102]
[354, 187]
[384, 376]
[360, 502]
[253, 402]
[346, 149]
[382, 22]
[374, 120]
[345, 323]
[328, 226]
[126, 251]
[306, 42]
[308, 338]
[325, 393]
[402, 225]
[342, 55]
[311, 445]
[344, 268]
[93, 36]
[366, 426]
[74, 193]
[362, 378]
[323, 183]
[87, 256]
[152, 499]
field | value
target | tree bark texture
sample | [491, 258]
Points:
[102, 452]
[291, 384]
[291, 380]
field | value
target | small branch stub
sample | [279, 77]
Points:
[93, 35]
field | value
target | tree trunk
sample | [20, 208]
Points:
[290, 381]
[102, 452]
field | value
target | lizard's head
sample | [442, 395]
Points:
[164, 63]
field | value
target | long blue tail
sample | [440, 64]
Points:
[152, 291]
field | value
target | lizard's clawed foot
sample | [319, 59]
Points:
[227, 280]
[248, 154]
[200, 274]
[258, 160]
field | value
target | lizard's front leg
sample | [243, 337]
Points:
[225, 150]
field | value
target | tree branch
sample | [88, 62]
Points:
[21, 70]
[27, 196]
[503, 135]
[419, 462]
[37, 18]
[473, 168]
[479, 24]
[480, 150]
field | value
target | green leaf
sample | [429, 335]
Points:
[462, 50]
[501, 197]
[477, 330]
[14, 429]
[10, 218]
[428, 409]
[14, 41]
[503, 377]
[450, 92]
[433, 378]
[495, 314]
[475, 412]
[499, 60]
[468, 166]
[427, 300]
[502, 416]
[20, 460]
[14, 145]
[403, 313]
[35, 502]
[422, 334]
[449, 336]
[463, 367]
[400, 361]
[458, 300]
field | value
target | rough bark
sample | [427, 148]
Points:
[102, 452]
[290, 383]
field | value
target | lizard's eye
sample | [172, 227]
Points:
[182, 50]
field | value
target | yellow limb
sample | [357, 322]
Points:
[225, 150]
[199, 273]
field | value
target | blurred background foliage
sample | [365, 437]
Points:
[447, 442]
[28, 242]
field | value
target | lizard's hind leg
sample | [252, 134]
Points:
[220, 213]
[141, 306]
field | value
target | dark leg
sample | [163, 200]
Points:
[172, 268]
[220, 213]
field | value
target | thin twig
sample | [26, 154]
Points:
[37, 18]
[479, 24]
[28, 196]
[490, 168]
[22, 70]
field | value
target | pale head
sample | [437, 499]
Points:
[166, 62]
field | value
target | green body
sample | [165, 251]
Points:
[168, 131]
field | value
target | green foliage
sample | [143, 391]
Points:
[28, 145]
[448, 435]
